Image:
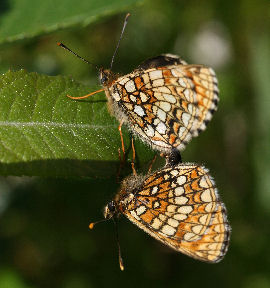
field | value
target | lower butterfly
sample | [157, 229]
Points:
[178, 206]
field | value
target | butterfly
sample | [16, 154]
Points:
[164, 101]
[178, 206]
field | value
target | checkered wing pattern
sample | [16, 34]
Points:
[180, 207]
[166, 101]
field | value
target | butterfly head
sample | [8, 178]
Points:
[106, 77]
[109, 210]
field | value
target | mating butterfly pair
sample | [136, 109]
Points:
[166, 102]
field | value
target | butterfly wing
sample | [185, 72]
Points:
[180, 207]
[161, 61]
[167, 105]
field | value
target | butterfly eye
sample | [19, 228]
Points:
[103, 79]
[111, 206]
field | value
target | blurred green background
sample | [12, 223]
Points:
[44, 235]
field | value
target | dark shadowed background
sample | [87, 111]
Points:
[44, 235]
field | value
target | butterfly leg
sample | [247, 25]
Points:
[133, 157]
[122, 141]
[121, 159]
[120, 166]
[151, 164]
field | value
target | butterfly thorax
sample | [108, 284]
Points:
[127, 193]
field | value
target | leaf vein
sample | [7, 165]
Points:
[55, 124]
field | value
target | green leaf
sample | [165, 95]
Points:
[50, 15]
[42, 132]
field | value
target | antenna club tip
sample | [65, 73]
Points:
[91, 225]
[122, 268]
[59, 43]
[128, 14]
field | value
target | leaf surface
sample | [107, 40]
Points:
[51, 15]
[42, 132]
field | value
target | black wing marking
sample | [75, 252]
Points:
[160, 61]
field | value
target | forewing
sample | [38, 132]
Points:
[161, 61]
[168, 105]
[180, 207]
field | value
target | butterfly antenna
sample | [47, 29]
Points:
[92, 224]
[117, 46]
[121, 263]
[68, 49]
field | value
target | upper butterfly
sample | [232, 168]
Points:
[164, 101]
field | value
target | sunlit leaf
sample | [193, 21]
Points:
[42, 132]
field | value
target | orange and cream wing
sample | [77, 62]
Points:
[168, 103]
[180, 207]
